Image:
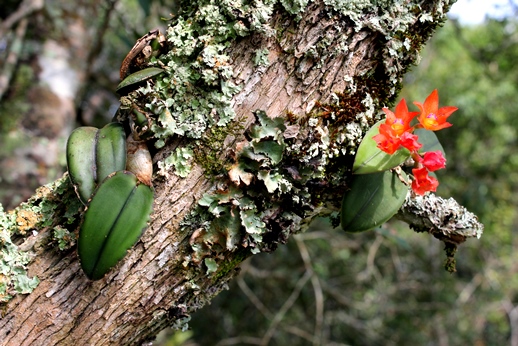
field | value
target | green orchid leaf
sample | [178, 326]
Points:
[93, 154]
[114, 220]
[372, 200]
[370, 159]
[137, 77]
[110, 150]
[81, 163]
[429, 141]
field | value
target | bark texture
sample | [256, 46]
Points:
[160, 282]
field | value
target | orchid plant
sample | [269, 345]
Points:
[386, 146]
[396, 132]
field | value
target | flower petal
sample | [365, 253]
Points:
[422, 182]
[432, 118]
[387, 140]
[431, 104]
[402, 118]
[433, 160]
[410, 142]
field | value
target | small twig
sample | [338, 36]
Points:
[11, 59]
[314, 235]
[303, 334]
[469, 289]
[93, 53]
[99, 35]
[317, 289]
[240, 340]
[396, 261]
[512, 314]
[24, 10]
[253, 298]
[371, 256]
[285, 307]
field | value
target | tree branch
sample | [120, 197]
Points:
[26, 8]
[255, 123]
[445, 219]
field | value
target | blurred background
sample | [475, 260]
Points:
[326, 287]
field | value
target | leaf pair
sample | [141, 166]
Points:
[92, 154]
[118, 205]
[376, 194]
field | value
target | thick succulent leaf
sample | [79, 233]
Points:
[370, 159]
[429, 141]
[110, 150]
[93, 154]
[372, 200]
[81, 160]
[114, 220]
[137, 77]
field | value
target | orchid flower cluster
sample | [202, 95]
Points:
[397, 132]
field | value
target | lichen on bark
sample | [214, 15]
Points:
[289, 167]
[285, 123]
[53, 207]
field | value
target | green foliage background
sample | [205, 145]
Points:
[388, 286]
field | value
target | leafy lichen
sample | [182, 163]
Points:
[64, 237]
[13, 262]
[286, 161]
[240, 214]
[195, 92]
[261, 57]
[54, 204]
[179, 159]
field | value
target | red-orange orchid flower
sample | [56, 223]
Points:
[432, 117]
[395, 131]
[433, 160]
[410, 142]
[422, 182]
[400, 121]
[387, 139]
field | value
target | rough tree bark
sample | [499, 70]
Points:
[326, 72]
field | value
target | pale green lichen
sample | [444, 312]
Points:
[261, 57]
[235, 216]
[13, 262]
[179, 160]
[54, 205]
[294, 6]
[195, 92]
[65, 239]
[211, 265]
[181, 323]
[284, 164]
